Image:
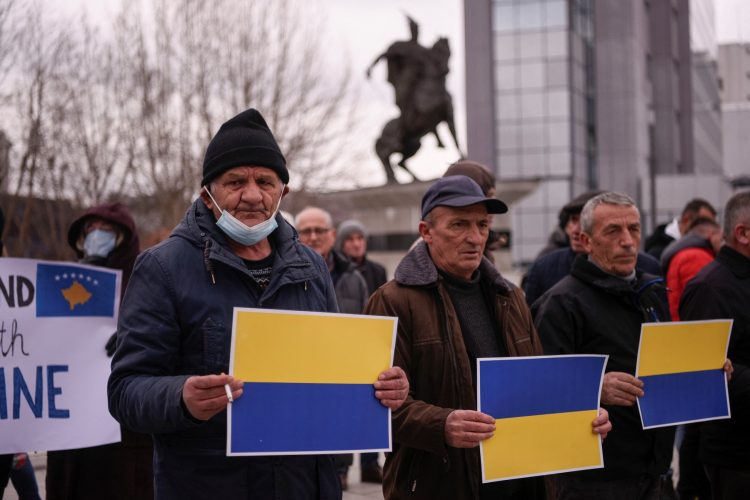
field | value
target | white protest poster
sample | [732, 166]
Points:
[55, 319]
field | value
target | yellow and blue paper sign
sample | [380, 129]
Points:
[681, 366]
[543, 408]
[308, 382]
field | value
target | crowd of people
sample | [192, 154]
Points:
[589, 293]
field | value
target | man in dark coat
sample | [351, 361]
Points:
[599, 309]
[351, 240]
[168, 378]
[453, 307]
[104, 235]
[721, 290]
[553, 266]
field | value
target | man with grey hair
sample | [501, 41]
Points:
[599, 309]
[722, 290]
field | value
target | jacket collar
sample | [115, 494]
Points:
[737, 263]
[418, 269]
[589, 272]
[199, 227]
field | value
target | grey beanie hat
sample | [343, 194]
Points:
[346, 229]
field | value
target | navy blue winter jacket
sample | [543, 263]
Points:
[175, 321]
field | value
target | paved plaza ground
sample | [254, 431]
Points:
[357, 490]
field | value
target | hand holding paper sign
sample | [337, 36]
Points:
[467, 428]
[392, 387]
[205, 396]
[728, 369]
[621, 389]
[601, 424]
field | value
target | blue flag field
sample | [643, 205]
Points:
[543, 408]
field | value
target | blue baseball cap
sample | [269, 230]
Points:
[458, 191]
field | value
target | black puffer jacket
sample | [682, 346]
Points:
[721, 290]
[592, 312]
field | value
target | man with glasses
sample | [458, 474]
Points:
[315, 228]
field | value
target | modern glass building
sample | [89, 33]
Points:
[542, 102]
[734, 67]
[581, 95]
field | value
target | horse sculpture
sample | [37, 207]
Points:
[418, 77]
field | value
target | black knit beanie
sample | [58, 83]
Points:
[245, 140]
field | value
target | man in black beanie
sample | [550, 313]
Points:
[168, 379]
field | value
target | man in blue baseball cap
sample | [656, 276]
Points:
[453, 307]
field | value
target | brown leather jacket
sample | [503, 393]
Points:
[430, 348]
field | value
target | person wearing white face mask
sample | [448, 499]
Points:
[232, 249]
[104, 235]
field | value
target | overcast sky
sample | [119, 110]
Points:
[359, 30]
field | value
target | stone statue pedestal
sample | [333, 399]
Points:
[391, 214]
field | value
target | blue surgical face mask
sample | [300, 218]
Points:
[99, 242]
[241, 232]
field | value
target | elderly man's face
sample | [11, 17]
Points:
[456, 238]
[250, 194]
[615, 238]
[315, 231]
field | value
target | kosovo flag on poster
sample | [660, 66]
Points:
[543, 408]
[308, 382]
[70, 290]
[681, 365]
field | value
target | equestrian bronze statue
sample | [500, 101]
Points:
[418, 75]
